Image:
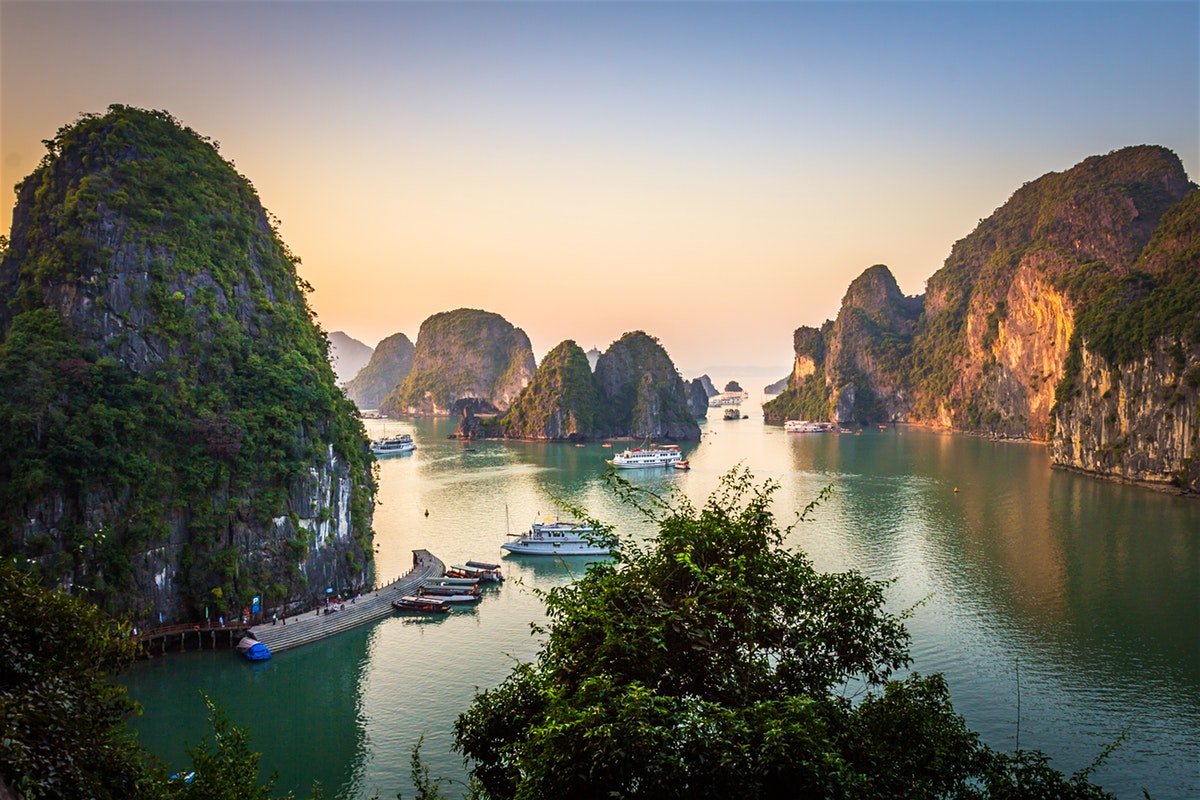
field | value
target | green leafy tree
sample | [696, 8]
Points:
[62, 724]
[714, 663]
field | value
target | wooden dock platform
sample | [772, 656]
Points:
[313, 625]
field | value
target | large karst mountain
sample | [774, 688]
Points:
[173, 439]
[463, 355]
[1071, 315]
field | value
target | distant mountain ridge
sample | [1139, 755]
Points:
[347, 355]
[1070, 316]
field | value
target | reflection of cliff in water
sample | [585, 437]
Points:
[1027, 550]
[302, 708]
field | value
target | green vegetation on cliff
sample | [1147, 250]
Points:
[389, 366]
[642, 391]
[164, 391]
[465, 353]
[561, 402]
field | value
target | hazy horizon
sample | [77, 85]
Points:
[715, 174]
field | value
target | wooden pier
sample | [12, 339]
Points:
[191, 636]
[316, 624]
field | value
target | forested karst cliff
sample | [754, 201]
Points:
[389, 365]
[643, 392]
[561, 403]
[173, 441]
[1069, 315]
[466, 354]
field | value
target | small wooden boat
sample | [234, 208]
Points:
[464, 597]
[682, 465]
[253, 649]
[425, 605]
[448, 581]
[481, 570]
[442, 589]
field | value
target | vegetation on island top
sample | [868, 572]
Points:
[212, 400]
[712, 662]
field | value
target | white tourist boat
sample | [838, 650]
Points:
[393, 444]
[804, 426]
[554, 537]
[637, 458]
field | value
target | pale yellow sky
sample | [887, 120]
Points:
[713, 174]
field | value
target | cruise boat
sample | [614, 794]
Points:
[554, 537]
[637, 458]
[732, 412]
[393, 444]
[804, 426]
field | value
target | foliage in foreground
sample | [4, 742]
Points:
[717, 663]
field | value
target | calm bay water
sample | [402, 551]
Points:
[1086, 594]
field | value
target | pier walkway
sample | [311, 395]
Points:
[313, 625]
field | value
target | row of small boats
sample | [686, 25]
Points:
[461, 585]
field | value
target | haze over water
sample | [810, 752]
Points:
[1089, 591]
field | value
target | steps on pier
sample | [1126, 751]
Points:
[310, 626]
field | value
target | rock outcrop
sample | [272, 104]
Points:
[697, 397]
[390, 364]
[1067, 316]
[173, 439]
[347, 355]
[460, 354]
[642, 391]
[561, 403]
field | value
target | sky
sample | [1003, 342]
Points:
[714, 174]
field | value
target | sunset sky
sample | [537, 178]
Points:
[714, 174]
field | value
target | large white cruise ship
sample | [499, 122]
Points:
[663, 456]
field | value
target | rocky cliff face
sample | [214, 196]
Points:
[561, 403]
[347, 355]
[1052, 321]
[697, 396]
[866, 348]
[390, 364]
[1138, 422]
[643, 392]
[173, 441]
[460, 354]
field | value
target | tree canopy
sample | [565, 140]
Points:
[716, 662]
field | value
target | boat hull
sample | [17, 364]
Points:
[536, 548]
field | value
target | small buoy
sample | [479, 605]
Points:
[427, 510]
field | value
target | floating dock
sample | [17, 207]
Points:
[313, 625]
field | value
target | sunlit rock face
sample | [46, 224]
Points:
[463, 354]
[1067, 317]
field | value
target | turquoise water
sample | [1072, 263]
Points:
[1088, 591]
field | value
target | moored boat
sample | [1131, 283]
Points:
[480, 570]
[639, 458]
[805, 426]
[393, 445]
[463, 597]
[681, 465]
[554, 537]
[426, 605]
[253, 649]
[442, 590]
